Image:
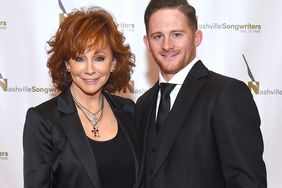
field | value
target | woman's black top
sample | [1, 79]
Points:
[115, 162]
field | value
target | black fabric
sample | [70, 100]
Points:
[211, 137]
[57, 153]
[151, 153]
[155, 133]
[115, 162]
[164, 106]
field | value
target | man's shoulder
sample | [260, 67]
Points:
[219, 82]
[222, 79]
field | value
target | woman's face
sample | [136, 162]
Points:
[91, 70]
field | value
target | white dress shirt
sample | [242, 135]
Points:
[177, 79]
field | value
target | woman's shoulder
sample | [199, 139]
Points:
[46, 105]
[46, 109]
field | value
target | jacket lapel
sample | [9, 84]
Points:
[72, 126]
[180, 110]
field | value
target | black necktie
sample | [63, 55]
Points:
[164, 106]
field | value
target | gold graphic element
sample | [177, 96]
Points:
[4, 154]
[254, 86]
[3, 23]
[3, 83]
[62, 16]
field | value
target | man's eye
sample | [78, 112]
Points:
[157, 36]
[177, 35]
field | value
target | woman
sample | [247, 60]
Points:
[85, 136]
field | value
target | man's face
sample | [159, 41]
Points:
[171, 41]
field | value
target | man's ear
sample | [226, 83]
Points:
[146, 42]
[198, 37]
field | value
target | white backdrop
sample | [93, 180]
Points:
[231, 29]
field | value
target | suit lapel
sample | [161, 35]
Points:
[72, 126]
[180, 111]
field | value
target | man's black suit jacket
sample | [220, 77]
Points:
[57, 153]
[212, 136]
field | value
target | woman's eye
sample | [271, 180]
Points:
[100, 58]
[78, 59]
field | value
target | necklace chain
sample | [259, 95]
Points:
[92, 113]
[95, 121]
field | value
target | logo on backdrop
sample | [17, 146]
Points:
[25, 89]
[4, 155]
[254, 85]
[63, 15]
[3, 24]
[3, 83]
[126, 27]
[243, 28]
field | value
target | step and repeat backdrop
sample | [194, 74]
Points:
[242, 39]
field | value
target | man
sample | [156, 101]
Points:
[211, 137]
